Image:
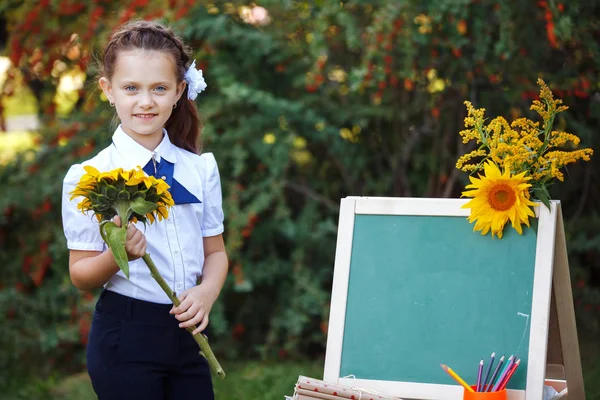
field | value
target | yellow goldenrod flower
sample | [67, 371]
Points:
[559, 139]
[522, 146]
[497, 198]
[467, 157]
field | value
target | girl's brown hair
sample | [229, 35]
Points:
[184, 124]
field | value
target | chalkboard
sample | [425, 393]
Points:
[429, 290]
[415, 287]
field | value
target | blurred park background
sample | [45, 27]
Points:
[307, 102]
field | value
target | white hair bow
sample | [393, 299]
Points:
[194, 80]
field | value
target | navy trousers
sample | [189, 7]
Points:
[136, 350]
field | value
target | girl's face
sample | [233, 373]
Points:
[144, 89]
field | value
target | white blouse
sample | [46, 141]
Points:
[175, 244]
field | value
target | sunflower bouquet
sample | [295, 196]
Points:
[519, 161]
[133, 196]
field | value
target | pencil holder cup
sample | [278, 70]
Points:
[500, 395]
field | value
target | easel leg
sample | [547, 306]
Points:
[565, 313]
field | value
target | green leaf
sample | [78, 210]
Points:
[115, 238]
[142, 206]
[541, 193]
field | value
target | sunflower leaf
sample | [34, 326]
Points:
[142, 207]
[115, 238]
[102, 231]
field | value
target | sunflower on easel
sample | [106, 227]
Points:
[519, 161]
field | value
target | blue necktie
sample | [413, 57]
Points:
[164, 170]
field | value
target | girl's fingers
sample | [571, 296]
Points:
[139, 249]
[138, 239]
[203, 325]
[136, 242]
[136, 245]
[181, 298]
[132, 231]
[188, 314]
[136, 235]
[192, 322]
[185, 304]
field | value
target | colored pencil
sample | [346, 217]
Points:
[487, 373]
[478, 386]
[457, 378]
[491, 382]
[510, 374]
[505, 370]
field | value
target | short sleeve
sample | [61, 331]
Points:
[81, 230]
[212, 220]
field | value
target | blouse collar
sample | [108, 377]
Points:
[135, 154]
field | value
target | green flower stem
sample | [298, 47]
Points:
[200, 338]
[547, 134]
[122, 207]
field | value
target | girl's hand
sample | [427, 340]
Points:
[135, 244]
[195, 306]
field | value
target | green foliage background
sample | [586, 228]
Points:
[330, 99]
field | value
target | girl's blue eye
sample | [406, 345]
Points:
[129, 88]
[161, 88]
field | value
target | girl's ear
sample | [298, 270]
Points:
[106, 88]
[180, 89]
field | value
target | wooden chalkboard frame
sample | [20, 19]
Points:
[547, 240]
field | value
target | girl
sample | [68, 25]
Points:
[138, 346]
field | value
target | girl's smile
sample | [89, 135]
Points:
[146, 117]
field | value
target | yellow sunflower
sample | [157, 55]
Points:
[498, 198]
[132, 195]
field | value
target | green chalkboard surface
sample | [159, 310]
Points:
[427, 290]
